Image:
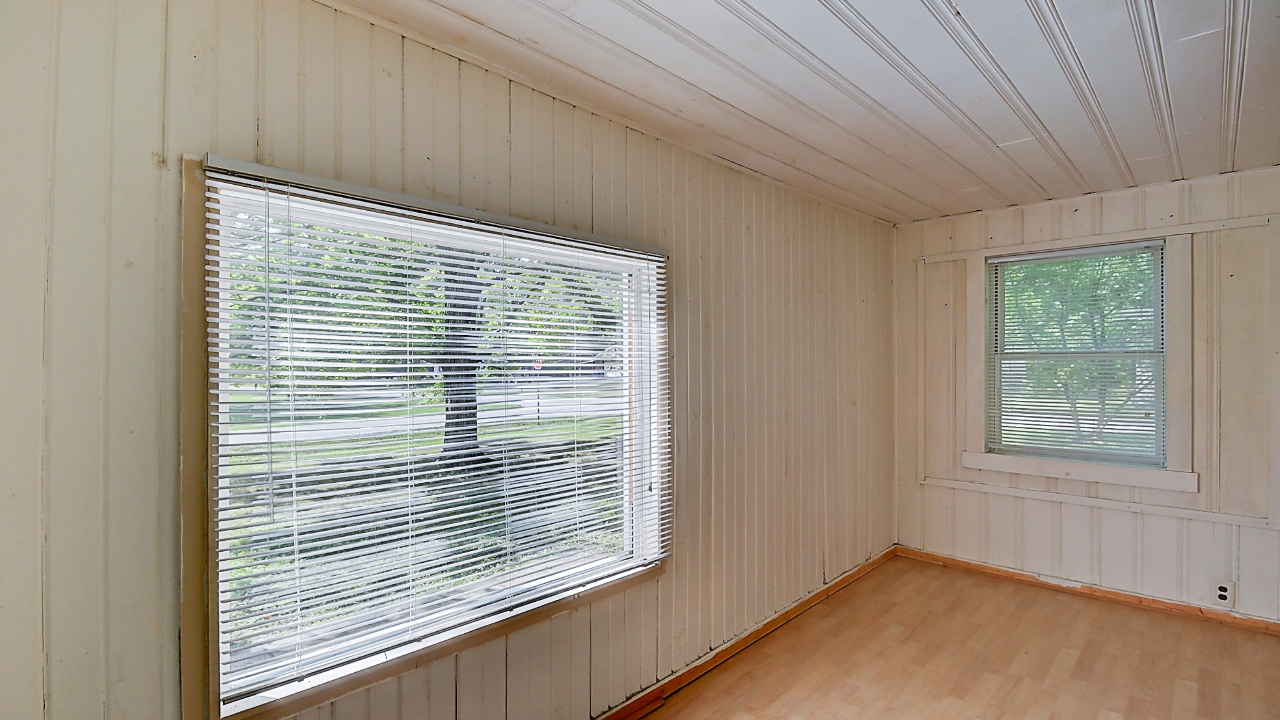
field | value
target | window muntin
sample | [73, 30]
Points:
[420, 424]
[1076, 355]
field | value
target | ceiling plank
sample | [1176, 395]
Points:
[1103, 38]
[1257, 141]
[1064, 51]
[1235, 41]
[1030, 42]
[929, 112]
[692, 76]
[1191, 32]
[920, 49]
[966, 38]
[1142, 15]
[901, 110]
[506, 49]
[772, 104]
[894, 134]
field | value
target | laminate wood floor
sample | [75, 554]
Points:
[913, 640]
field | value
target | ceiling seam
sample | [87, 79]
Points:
[631, 58]
[665, 25]
[1055, 32]
[1142, 16]
[757, 21]
[966, 38]
[852, 19]
[1235, 42]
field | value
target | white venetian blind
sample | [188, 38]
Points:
[421, 423]
[1076, 355]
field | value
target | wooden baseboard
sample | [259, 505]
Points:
[1264, 626]
[653, 698]
[650, 700]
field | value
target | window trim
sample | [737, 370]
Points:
[198, 645]
[1177, 474]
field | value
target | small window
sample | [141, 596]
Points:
[1076, 355]
[420, 424]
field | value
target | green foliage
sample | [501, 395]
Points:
[1079, 339]
[347, 318]
[1090, 304]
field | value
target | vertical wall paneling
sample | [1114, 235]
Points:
[387, 68]
[538, 697]
[133, 624]
[1258, 589]
[279, 71]
[522, 149]
[667, 605]
[1243, 285]
[418, 116]
[27, 47]
[1159, 543]
[384, 699]
[446, 127]
[356, 109]
[689, 496]
[237, 109]
[318, 92]
[474, 141]
[781, 342]
[77, 318]
[906, 379]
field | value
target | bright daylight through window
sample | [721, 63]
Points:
[421, 424]
[1076, 355]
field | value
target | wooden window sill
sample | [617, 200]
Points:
[1090, 472]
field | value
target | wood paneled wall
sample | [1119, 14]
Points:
[1152, 542]
[781, 337]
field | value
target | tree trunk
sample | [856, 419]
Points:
[460, 361]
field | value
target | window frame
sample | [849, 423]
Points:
[198, 635]
[1177, 474]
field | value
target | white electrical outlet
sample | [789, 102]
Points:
[1224, 593]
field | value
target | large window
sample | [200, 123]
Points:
[421, 423]
[1076, 355]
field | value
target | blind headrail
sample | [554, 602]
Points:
[248, 169]
[1084, 251]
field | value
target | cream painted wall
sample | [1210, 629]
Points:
[24, 187]
[1158, 543]
[782, 341]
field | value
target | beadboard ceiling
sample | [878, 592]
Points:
[906, 109]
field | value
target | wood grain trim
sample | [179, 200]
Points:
[1265, 626]
[650, 700]
[193, 441]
